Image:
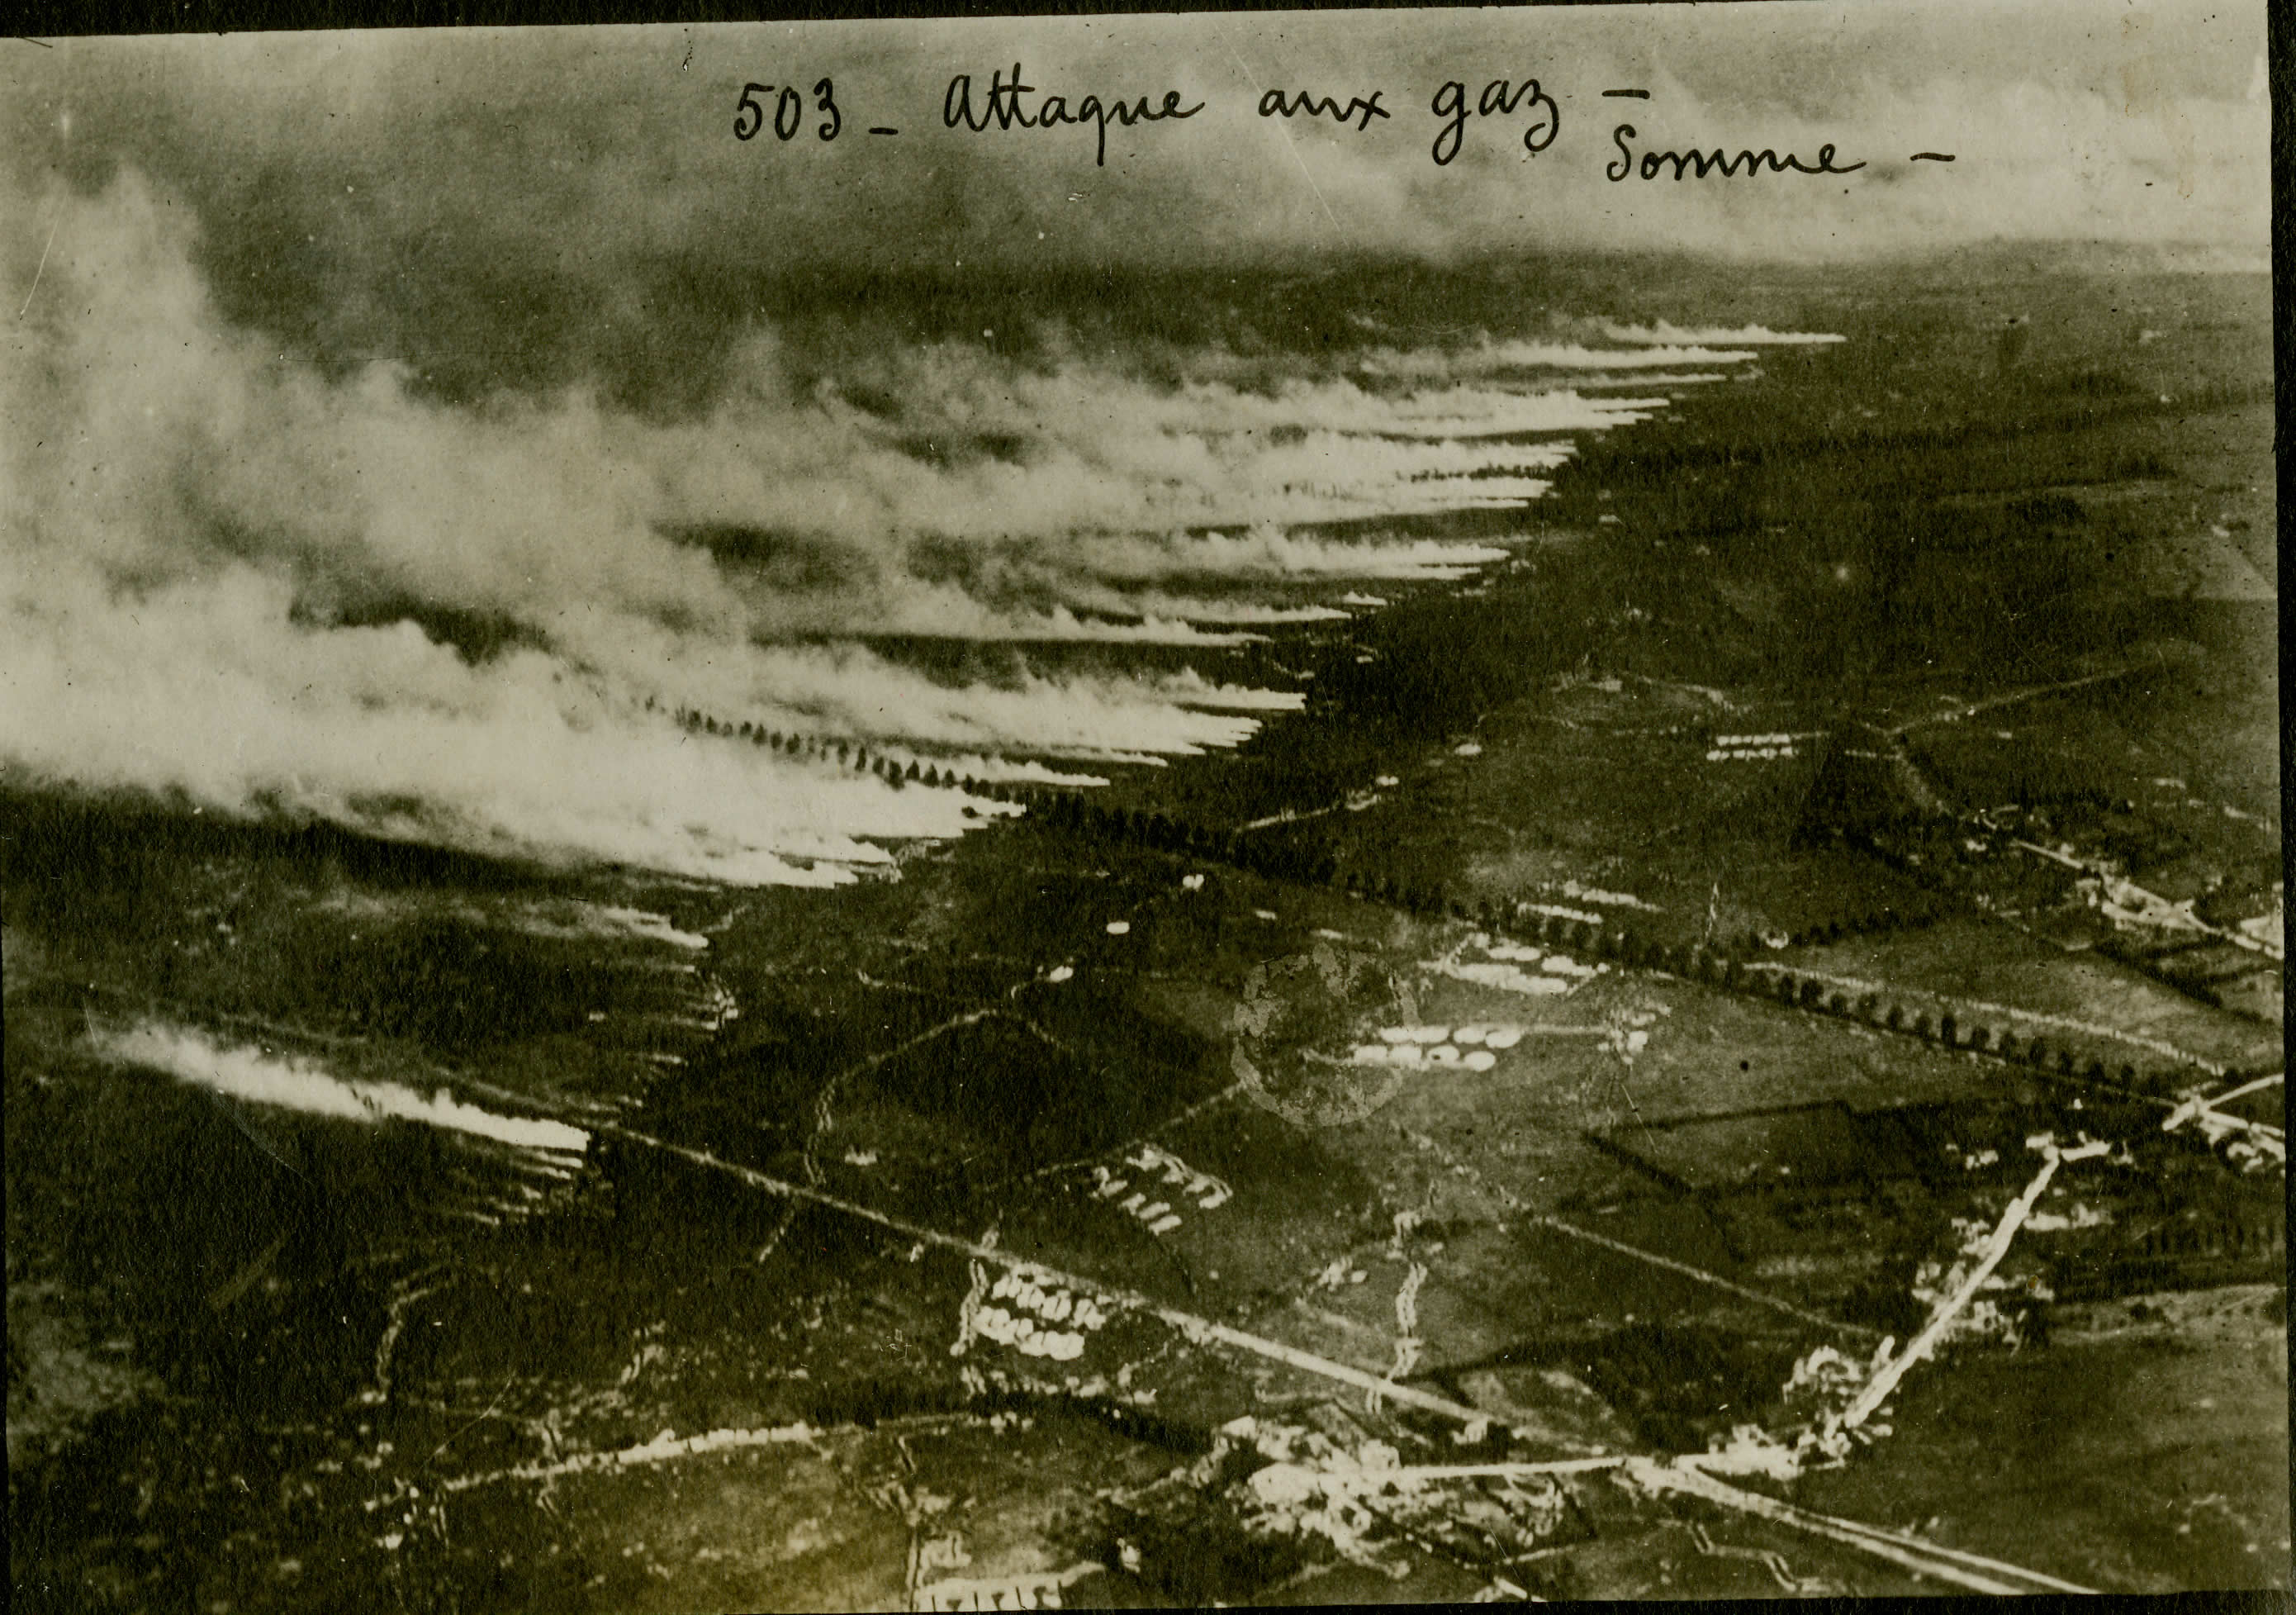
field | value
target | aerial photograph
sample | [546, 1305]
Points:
[1144, 810]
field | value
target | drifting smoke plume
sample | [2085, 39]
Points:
[272, 588]
[1498, 358]
[1667, 334]
[191, 1056]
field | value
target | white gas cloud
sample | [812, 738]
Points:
[290, 1083]
[267, 580]
[264, 587]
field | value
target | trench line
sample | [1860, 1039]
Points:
[822, 1120]
[1200, 1330]
[1659, 1476]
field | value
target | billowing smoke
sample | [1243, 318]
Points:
[287, 1083]
[1665, 333]
[1491, 357]
[264, 586]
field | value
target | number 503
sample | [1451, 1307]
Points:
[789, 111]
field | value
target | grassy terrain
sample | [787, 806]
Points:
[250, 1348]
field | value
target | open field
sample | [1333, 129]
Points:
[1551, 1043]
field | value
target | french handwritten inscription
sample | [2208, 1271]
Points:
[1276, 104]
[1009, 103]
[1004, 109]
[1704, 163]
[1499, 99]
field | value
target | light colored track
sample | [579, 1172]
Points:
[1200, 1330]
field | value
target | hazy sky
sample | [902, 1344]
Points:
[578, 150]
[517, 195]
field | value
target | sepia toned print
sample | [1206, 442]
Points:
[1140, 811]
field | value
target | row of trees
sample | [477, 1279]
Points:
[845, 754]
[1725, 965]
[1310, 861]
